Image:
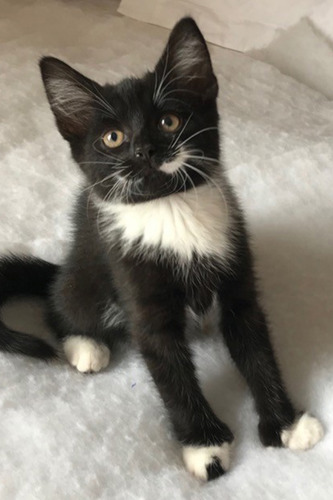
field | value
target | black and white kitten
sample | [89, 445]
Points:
[157, 230]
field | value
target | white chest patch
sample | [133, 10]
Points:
[184, 223]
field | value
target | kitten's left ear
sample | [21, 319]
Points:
[72, 97]
[185, 63]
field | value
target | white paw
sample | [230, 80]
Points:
[302, 434]
[86, 354]
[207, 462]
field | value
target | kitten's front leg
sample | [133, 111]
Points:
[246, 334]
[159, 330]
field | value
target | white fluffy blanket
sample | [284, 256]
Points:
[64, 435]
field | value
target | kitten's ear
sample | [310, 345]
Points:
[185, 62]
[71, 96]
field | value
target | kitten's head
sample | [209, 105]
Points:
[142, 138]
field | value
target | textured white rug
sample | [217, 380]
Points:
[64, 435]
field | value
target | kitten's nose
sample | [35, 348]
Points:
[144, 152]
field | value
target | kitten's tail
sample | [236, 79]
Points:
[25, 276]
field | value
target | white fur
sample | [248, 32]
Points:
[86, 354]
[197, 458]
[184, 223]
[189, 54]
[174, 165]
[68, 96]
[113, 315]
[303, 434]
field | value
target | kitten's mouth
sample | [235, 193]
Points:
[154, 181]
[149, 187]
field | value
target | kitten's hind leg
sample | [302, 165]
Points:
[87, 336]
[90, 354]
[86, 354]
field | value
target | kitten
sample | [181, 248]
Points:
[157, 230]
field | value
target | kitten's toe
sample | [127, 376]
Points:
[207, 462]
[303, 434]
[86, 354]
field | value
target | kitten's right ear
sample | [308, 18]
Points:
[72, 97]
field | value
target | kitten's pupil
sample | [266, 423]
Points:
[114, 136]
[168, 121]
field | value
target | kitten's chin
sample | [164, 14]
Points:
[162, 182]
[140, 190]
[147, 189]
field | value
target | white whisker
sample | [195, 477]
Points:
[210, 180]
[180, 133]
[195, 134]
[69, 99]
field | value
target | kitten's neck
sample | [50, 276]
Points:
[195, 222]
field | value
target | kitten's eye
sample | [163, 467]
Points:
[169, 123]
[113, 138]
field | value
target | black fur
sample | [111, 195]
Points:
[149, 289]
[19, 277]
[215, 469]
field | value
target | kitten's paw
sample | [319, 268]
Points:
[303, 434]
[207, 462]
[86, 354]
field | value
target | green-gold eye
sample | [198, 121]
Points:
[169, 123]
[113, 138]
